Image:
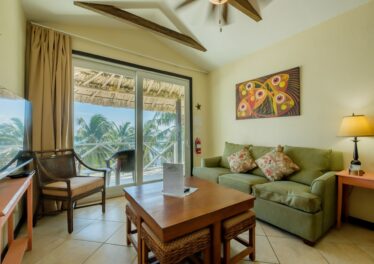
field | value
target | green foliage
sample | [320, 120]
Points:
[11, 140]
[100, 138]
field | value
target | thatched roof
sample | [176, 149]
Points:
[110, 89]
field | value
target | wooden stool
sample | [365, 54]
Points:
[233, 227]
[131, 219]
[177, 250]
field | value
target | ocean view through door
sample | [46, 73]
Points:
[129, 121]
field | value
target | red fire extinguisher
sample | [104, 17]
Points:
[198, 146]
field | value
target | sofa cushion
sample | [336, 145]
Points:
[292, 194]
[241, 182]
[257, 152]
[241, 161]
[275, 164]
[312, 162]
[210, 174]
[230, 148]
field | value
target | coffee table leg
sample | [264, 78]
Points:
[216, 243]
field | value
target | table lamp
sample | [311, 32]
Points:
[355, 126]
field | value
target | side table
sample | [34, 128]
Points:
[345, 179]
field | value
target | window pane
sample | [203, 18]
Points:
[104, 122]
[163, 126]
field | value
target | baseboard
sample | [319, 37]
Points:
[361, 222]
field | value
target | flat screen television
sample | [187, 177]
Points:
[15, 132]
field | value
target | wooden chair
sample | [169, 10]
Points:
[58, 180]
[124, 162]
[232, 228]
[177, 250]
[131, 220]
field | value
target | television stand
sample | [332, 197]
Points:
[11, 192]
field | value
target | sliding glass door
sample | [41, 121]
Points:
[129, 121]
[165, 137]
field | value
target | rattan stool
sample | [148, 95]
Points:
[233, 227]
[131, 220]
[177, 250]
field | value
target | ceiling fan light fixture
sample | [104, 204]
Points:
[218, 2]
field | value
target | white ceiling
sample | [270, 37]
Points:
[281, 19]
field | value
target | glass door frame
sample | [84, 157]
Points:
[140, 72]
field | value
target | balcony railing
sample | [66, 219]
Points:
[154, 156]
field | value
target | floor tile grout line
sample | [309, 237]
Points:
[102, 220]
[112, 233]
[272, 247]
[363, 251]
[86, 259]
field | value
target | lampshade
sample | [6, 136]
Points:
[355, 126]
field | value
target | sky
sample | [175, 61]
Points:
[11, 109]
[116, 114]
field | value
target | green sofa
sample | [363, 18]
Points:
[303, 203]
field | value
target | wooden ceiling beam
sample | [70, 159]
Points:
[245, 7]
[124, 16]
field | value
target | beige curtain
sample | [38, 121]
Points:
[50, 88]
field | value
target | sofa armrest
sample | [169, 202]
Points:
[325, 187]
[211, 162]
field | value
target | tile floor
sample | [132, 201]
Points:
[100, 238]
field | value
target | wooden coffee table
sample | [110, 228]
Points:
[172, 217]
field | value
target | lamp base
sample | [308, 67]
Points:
[356, 162]
[355, 167]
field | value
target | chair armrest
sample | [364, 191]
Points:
[211, 162]
[325, 187]
[104, 171]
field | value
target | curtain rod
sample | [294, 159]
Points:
[121, 49]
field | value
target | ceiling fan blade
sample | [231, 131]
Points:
[185, 3]
[211, 14]
[246, 7]
[225, 14]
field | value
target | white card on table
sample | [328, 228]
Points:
[173, 179]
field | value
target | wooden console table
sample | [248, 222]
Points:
[11, 192]
[344, 178]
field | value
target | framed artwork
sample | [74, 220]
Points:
[274, 95]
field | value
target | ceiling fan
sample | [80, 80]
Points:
[223, 5]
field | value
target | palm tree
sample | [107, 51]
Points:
[11, 140]
[159, 133]
[98, 139]
[92, 138]
[12, 133]
[124, 136]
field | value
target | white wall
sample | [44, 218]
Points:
[12, 45]
[337, 79]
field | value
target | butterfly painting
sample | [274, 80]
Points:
[273, 95]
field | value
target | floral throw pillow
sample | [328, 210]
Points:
[241, 161]
[275, 165]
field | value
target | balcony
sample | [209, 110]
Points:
[95, 155]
